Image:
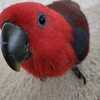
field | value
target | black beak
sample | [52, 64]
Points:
[14, 45]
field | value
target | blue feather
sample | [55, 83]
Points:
[80, 43]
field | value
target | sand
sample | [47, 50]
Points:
[22, 86]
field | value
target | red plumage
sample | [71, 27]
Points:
[51, 45]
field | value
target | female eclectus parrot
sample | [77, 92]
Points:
[47, 40]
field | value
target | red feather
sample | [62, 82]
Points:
[51, 45]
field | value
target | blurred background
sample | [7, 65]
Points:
[22, 86]
[83, 3]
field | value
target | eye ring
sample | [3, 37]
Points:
[41, 20]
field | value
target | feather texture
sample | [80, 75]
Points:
[73, 14]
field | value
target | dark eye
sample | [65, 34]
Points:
[42, 20]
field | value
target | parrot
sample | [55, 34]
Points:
[45, 40]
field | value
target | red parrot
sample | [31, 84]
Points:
[46, 41]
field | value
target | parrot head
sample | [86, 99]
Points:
[31, 32]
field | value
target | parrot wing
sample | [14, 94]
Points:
[72, 14]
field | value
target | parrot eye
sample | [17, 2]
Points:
[41, 20]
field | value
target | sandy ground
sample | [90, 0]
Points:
[22, 86]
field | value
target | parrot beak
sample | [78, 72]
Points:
[14, 45]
